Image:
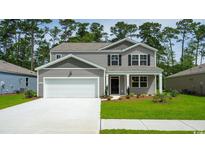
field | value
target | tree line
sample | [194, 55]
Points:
[27, 42]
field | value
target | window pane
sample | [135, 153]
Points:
[135, 59]
[114, 62]
[143, 84]
[143, 81]
[143, 59]
[135, 81]
[115, 59]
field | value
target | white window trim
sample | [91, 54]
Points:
[118, 59]
[139, 81]
[146, 60]
[58, 55]
[138, 59]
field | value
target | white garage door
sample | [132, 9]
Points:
[71, 88]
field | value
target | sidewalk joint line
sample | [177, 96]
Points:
[144, 124]
[187, 124]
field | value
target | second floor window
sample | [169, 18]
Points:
[114, 59]
[58, 56]
[143, 60]
[135, 59]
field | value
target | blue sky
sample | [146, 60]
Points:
[107, 23]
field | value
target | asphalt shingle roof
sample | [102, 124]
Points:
[78, 47]
[11, 68]
[195, 70]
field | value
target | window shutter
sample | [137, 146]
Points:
[129, 60]
[120, 60]
[148, 59]
[108, 60]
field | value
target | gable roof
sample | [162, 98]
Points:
[78, 46]
[14, 69]
[192, 71]
[66, 57]
[97, 47]
[117, 42]
[140, 44]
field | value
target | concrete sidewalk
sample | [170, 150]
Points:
[153, 124]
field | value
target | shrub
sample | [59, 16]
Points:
[132, 94]
[128, 96]
[106, 91]
[160, 98]
[109, 98]
[30, 94]
[174, 93]
[138, 95]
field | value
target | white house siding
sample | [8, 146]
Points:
[14, 82]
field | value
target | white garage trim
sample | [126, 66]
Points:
[97, 78]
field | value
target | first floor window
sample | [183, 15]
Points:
[115, 59]
[143, 81]
[135, 81]
[58, 56]
[143, 59]
[139, 81]
[26, 82]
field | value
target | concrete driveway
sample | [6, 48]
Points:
[52, 116]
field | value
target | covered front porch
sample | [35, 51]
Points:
[119, 83]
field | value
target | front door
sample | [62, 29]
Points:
[114, 85]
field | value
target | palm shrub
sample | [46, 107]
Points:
[161, 98]
[174, 93]
[30, 94]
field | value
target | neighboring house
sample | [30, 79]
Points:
[90, 69]
[15, 78]
[191, 80]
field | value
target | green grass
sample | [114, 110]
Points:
[124, 131]
[11, 100]
[180, 107]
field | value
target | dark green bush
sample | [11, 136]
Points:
[174, 93]
[30, 94]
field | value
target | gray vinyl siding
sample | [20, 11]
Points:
[75, 73]
[195, 83]
[100, 58]
[120, 46]
[71, 63]
[14, 82]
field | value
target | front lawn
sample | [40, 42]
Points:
[12, 99]
[181, 107]
[124, 131]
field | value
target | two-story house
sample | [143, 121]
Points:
[92, 69]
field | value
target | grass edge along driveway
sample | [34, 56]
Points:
[124, 131]
[9, 100]
[182, 107]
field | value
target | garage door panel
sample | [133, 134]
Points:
[71, 88]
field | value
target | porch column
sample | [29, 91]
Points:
[128, 82]
[160, 83]
[106, 82]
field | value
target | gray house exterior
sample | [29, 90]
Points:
[192, 80]
[117, 66]
[16, 78]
